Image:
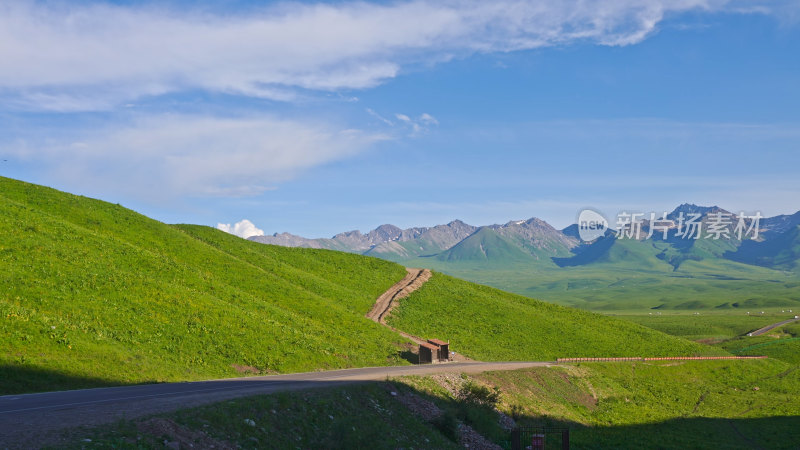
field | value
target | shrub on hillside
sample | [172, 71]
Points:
[478, 394]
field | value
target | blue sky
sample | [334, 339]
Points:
[318, 118]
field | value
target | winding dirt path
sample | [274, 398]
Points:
[413, 280]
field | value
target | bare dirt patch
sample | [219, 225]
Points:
[246, 369]
[420, 407]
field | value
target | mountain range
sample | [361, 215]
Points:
[659, 269]
[382, 241]
[455, 241]
[777, 244]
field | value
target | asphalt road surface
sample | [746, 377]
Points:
[761, 331]
[32, 420]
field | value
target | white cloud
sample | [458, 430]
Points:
[428, 119]
[243, 229]
[63, 56]
[169, 156]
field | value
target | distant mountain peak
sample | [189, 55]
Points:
[533, 221]
[352, 233]
[383, 233]
[691, 208]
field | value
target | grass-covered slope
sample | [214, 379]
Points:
[92, 293]
[488, 324]
[691, 404]
[781, 343]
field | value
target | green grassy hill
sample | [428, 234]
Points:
[92, 293]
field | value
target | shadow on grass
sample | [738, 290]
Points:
[23, 379]
[409, 356]
[779, 432]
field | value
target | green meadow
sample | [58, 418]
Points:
[634, 278]
[706, 326]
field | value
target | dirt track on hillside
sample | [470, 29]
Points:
[413, 280]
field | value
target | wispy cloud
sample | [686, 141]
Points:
[419, 124]
[374, 114]
[413, 126]
[243, 229]
[64, 56]
[175, 155]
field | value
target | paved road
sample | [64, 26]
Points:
[761, 331]
[30, 420]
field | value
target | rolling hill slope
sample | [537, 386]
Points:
[94, 294]
[93, 289]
